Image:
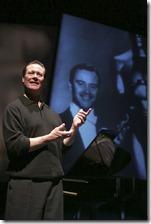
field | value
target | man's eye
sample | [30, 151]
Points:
[80, 82]
[93, 86]
[139, 82]
[39, 74]
[30, 73]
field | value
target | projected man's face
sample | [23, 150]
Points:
[139, 85]
[84, 88]
[140, 89]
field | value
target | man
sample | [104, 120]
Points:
[84, 84]
[34, 137]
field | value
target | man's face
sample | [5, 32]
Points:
[84, 88]
[34, 77]
[139, 86]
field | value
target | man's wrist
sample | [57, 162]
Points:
[45, 139]
[73, 128]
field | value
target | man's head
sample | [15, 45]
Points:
[33, 76]
[139, 85]
[84, 81]
[139, 89]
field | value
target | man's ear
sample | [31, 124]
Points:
[70, 86]
[23, 80]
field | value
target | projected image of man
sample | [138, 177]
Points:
[84, 83]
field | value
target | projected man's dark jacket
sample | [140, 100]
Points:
[77, 149]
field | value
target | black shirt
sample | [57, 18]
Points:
[23, 119]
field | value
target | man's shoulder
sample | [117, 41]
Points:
[13, 107]
[16, 102]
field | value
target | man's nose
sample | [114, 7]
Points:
[87, 88]
[35, 75]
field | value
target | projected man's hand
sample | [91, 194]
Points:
[80, 117]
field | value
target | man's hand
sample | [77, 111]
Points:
[80, 117]
[60, 132]
[78, 120]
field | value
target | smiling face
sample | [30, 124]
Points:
[84, 88]
[139, 86]
[34, 77]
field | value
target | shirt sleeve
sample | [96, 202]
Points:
[16, 142]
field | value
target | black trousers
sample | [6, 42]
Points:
[34, 200]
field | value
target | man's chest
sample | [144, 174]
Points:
[38, 121]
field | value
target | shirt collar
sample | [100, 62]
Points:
[26, 101]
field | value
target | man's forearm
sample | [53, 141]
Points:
[58, 132]
[38, 142]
